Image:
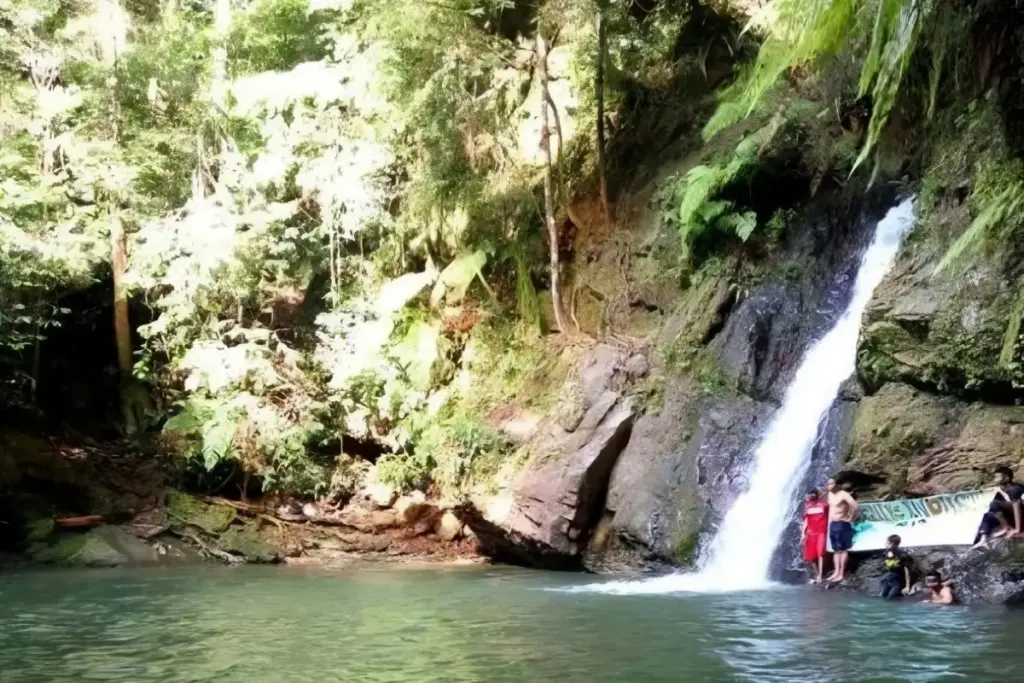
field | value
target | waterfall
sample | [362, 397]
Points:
[740, 555]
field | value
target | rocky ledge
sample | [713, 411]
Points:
[979, 576]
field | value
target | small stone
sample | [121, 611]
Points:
[290, 513]
[637, 366]
[381, 495]
[311, 512]
[448, 526]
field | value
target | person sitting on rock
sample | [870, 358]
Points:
[813, 530]
[1006, 504]
[896, 579]
[941, 591]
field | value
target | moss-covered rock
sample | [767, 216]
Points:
[104, 546]
[945, 332]
[944, 317]
[686, 549]
[38, 530]
[58, 551]
[185, 509]
[248, 542]
[894, 427]
[918, 443]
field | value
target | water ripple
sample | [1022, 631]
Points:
[266, 625]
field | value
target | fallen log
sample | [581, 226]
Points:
[78, 522]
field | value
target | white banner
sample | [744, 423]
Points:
[947, 519]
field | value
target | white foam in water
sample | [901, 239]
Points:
[742, 550]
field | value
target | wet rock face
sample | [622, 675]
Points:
[916, 443]
[685, 462]
[942, 331]
[558, 497]
[37, 474]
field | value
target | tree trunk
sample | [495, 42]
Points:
[222, 27]
[112, 44]
[549, 202]
[122, 326]
[602, 52]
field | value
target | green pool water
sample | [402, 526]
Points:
[270, 624]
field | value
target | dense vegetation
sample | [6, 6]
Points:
[340, 224]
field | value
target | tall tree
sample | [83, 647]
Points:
[549, 200]
[602, 56]
[111, 38]
[222, 28]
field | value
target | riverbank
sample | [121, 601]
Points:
[76, 502]
[188, 529]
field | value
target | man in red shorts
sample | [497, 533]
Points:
[814, 530]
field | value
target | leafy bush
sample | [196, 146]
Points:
[700, 211]
[448, 453]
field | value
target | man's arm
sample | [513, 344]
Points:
[854, 507]
[906, 578]
[945, 596]
[1016, 516]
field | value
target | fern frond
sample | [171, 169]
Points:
[887, 75]
[743, 224]
[1012, 334]
[1006, 203]
[701, 183]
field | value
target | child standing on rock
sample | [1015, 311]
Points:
[814, 530]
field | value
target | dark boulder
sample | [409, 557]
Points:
[985, 576]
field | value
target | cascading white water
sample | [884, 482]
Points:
[741, 552]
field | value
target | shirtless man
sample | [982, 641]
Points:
[842, 510]
[941, 591]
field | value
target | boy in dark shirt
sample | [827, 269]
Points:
[1004, 507]
[896, 579]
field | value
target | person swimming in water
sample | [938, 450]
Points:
[941, 591]
[842, 510]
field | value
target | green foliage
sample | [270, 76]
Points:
[650, 393]
[447, 453]
[208, 426]
[700, 211]
[275, 35]
[809, 34]
[997, 198]
[243, 430]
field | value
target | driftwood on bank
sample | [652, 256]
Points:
[81, 522]
[208, 550]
